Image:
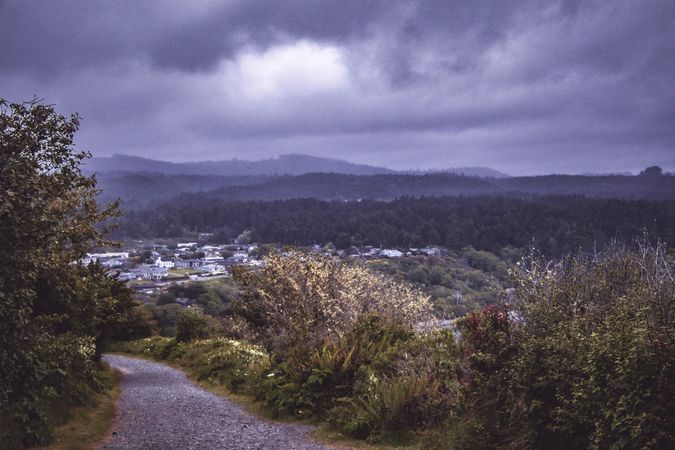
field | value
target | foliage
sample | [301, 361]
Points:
[345, 345]
[303, 385]
[55, 314]
[191, 324]
[582, 357]
[166, 298]
[487, 347]
[302, 300]
[235, 364]
[557, 225]
[458, 283]
[585, 361]
[410, 386]
[213, 296]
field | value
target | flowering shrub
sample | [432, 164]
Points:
[334, 328]
[301, 300]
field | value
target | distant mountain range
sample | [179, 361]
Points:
[293, 164]
[142, 183]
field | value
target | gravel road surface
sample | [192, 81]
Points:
[161, 409]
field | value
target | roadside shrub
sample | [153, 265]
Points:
[327, 325]
[391, 405]
[301, 300]
[586, 358]
[191, 324]
[487, 347]
[157, 347]
[608, 323]
[410, 387]
[304, 385]
[235, 364]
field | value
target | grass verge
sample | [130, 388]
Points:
[89, 424]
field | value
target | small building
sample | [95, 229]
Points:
[213, 268]
[113, 262]
[390, 253]
[148, 272]
[431, 251]
[188, 263]
[168, 263]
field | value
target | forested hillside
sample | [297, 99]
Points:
[557, 224]
[144, 189]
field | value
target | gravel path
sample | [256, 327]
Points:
[161, 409]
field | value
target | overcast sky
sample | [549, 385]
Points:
[520, 86]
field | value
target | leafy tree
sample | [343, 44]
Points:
[343, 241]
[652, 171]
[54, 312]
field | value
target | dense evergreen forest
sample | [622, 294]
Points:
[555, 224]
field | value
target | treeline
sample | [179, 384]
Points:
[329, 186]
[138, 190]
[556, 224]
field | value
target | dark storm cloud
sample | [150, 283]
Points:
[527, 85]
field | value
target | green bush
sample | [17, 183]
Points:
[157, 347]
[235, 364]
[408, 387]
[585, 360]
[305, 383]
[191, 324]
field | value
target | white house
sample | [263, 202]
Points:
[168, 264]
[188, 263]
[431, 251]
[150, 272]
[213, 268]
[95, 256]
[389, 253]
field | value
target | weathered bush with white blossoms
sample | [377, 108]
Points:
[306, 299]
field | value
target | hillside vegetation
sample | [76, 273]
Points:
[230, 186]
[581, 357]
[556, 225]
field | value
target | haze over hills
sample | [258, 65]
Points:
[141, 182]
[291, 164]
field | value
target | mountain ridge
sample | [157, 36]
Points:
[287, 164]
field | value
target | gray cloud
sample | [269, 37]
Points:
[527, 86]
